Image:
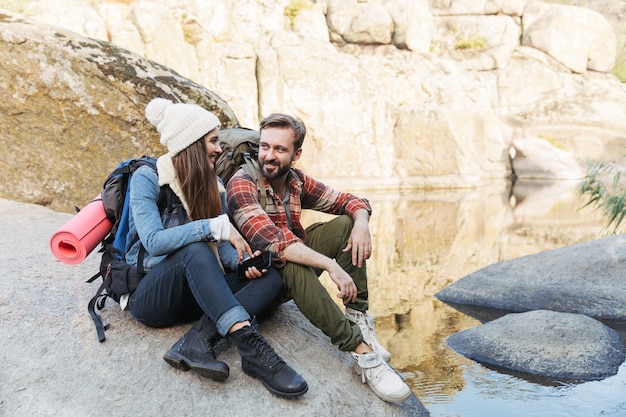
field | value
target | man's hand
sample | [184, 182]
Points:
[301, 254]
[360, 240]
[345, 284]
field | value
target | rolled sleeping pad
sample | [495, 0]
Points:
[73, 242]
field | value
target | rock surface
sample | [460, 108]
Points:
[53, 364]
[587, 278]
[76, 110]
[561, 346]
[431, 93]
[558, 291]
[576, 37]
[538, 159]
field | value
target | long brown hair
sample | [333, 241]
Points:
[198, 181]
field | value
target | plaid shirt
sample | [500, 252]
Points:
[267, 230]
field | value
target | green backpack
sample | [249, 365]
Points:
[240, 149]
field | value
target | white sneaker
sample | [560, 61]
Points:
[383, 380]
[366, 324]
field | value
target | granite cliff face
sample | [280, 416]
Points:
[394, 93]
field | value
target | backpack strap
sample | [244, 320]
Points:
[251, 167]
[166, 203]
[98, 300]
[100, 328]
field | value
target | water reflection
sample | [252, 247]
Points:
[425, 240]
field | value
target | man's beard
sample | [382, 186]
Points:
[278, 173]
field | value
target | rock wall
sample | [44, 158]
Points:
[394, 93]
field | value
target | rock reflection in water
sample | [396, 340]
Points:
[425, 240]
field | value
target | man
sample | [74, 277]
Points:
[340, 247]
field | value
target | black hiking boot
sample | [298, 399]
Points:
[259, 360]
[195, 351]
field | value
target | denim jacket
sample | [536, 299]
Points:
[161, 235]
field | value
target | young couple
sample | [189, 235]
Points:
[192, 253]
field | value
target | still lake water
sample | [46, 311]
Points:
[424, 240]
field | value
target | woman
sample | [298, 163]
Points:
[188, 251]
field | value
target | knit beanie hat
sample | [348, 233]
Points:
[179, 124]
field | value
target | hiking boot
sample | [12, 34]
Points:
[195, 351]
[381, 378]
[259, 360]
[366, 324]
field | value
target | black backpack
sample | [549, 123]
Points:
[118, 277]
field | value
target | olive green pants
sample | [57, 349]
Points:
[302, 284]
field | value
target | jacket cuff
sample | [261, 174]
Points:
[220, 227]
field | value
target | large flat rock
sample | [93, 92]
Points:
[53, 364]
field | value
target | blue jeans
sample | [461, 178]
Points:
[189, 282]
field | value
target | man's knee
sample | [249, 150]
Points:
[345, 219]
[293, 274]
[343, 223]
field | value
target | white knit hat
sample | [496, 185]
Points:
[179, 124]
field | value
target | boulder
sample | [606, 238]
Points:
[578, 37]
[562, 346]
[76, 109]
[412, 22]
[586, 278]
[359, 22]
[537, 158]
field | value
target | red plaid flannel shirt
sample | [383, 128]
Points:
[267, 230]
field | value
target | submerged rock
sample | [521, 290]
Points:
[562, 346]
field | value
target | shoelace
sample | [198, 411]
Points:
[208, 342]
[208, 338]
[366, 324]
[264, 350]
[366, 329]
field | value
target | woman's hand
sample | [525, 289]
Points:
[252, 272]
[239, 243]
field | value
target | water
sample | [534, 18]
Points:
[426, 240]
[494, 394]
